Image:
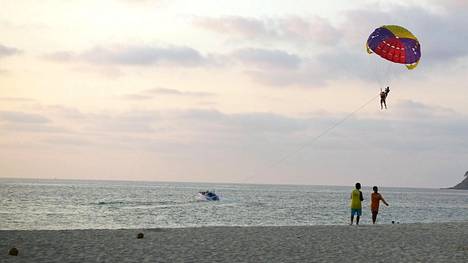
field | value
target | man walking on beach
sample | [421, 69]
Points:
[375, 202]
[356, 199]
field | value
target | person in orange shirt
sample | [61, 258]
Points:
[375, 202]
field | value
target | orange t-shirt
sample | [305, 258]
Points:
[375, 201]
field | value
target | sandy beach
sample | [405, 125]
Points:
[445, 242]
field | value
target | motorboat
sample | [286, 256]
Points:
[208, 196]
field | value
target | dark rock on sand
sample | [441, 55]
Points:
[13, 252]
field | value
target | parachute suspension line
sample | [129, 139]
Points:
[384, 73]
[317, 137]
[389, 73]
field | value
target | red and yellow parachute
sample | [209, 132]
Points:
[396, 44]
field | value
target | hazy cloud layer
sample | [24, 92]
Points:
[15, 99]
[130, 122]
[440, 33]
[8, 51]
[267, 59]
[291, 29]
[146, 2]
[134, 56]
[175, 92]
[280, 68]
[20, 117]
[342, 54]
[409, 115]
[25, 122]
[158, 92]
[255, 139]
[417, 110]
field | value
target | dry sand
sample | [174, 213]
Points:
[445, 242]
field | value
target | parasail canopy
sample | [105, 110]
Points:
[396, 44]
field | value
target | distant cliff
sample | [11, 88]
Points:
[463, 185]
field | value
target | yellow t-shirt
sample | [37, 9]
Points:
[356, 199]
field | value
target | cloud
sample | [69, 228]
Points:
[16, 121]
[267, 59]
[136, 97]
[279, 68]
[21, 117]
[175, 92]
[309, 75]
[69, 141]
[340, 53]
[134, 56]
[268, 122]
[129, 122]
[417, 110]
[257, 140]
[32, 128]
[211, 129]
[145, 2]
[62, 56]
[152, 93]
[16, 99]
[8, 51]
[235, 25]
[286, 29]
[408, 117]
[62, 112]
[440, 33]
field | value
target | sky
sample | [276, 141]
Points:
[247, 91]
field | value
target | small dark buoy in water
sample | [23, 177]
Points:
[13, 252]
[140, 235]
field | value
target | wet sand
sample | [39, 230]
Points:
[444, 242]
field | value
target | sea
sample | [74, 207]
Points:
[30, 204]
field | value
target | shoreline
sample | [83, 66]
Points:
[238, 226]
[422, 242]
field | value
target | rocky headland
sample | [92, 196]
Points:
[463, 185]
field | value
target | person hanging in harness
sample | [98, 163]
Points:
[383, 97]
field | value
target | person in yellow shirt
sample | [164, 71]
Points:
[356, 199]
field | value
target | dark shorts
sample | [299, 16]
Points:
[355, 211]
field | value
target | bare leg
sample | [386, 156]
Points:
[374, 217]
[352, 219]
[357, 220]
